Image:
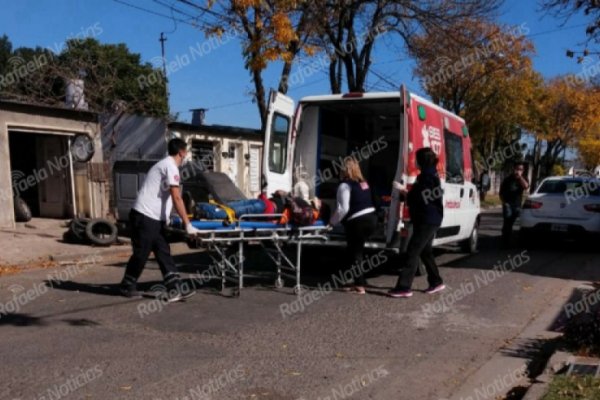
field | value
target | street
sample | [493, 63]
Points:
[72, 337]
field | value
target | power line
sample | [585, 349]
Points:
[203, 9]
[556, 30]
[173, 9]
[172, 18]
[229, 105]
[384, 78]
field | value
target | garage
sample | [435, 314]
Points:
[41, 173]
[49, 161]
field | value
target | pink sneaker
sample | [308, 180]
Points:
[435, 289]
[397, 294]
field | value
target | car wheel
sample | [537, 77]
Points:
[471, 244]
[22, 210]
[101, 232]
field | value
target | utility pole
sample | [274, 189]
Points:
[162, 41]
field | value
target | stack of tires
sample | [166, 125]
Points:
[97, 231]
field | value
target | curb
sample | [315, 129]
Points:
[500, 363]
[539, 387]
[92, 251]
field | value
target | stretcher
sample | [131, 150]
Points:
[274, 239]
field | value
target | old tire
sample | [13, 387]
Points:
[77, 228]
[22, 210]
[70, 237]
[101, 232]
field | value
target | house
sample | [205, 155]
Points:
[49, 157]
[234, 151]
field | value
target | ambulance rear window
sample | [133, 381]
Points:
[454, 158]
[279, 143]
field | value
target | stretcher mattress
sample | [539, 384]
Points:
[251, 225]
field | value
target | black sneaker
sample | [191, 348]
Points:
[130, 291]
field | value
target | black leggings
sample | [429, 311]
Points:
[420, 246]
[358, 230]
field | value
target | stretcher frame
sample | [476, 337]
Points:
[219, 241]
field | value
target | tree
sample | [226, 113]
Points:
[586, 123]
[111, 74]
[271, 31]
[569, 116]
[350, 29]
[565, 9]
[5, 53]
[279, 31]
[483, 72]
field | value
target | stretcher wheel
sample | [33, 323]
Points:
[297, 289]
[279, 283]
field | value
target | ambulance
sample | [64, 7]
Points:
[306, 144]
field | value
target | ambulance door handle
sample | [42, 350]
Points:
[462, 193]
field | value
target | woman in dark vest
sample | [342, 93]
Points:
[426, 209]
[356, 212]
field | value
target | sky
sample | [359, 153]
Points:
[205, 74]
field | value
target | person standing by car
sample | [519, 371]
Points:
[356, 212]
[424, 202]
[511, 195]
[484, 184]
[148, 218]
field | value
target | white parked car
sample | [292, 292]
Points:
[564, 205]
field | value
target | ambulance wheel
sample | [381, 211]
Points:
[470, 245]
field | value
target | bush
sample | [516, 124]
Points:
[574, 388]
[582, 334]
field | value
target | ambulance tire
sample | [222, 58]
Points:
[471, 244]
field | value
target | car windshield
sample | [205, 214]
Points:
[560, 186]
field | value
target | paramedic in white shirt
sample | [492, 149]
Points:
[356, 212]
[148, 219]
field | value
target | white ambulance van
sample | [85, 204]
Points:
[383, 131]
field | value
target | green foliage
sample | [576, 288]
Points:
[582, 333]
[558, 170]
[573, 388]
[111, 74]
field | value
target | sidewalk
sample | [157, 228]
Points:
[38, 244]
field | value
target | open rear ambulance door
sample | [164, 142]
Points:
[277, 150]
[394, 217]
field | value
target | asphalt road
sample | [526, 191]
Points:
[74, 338]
